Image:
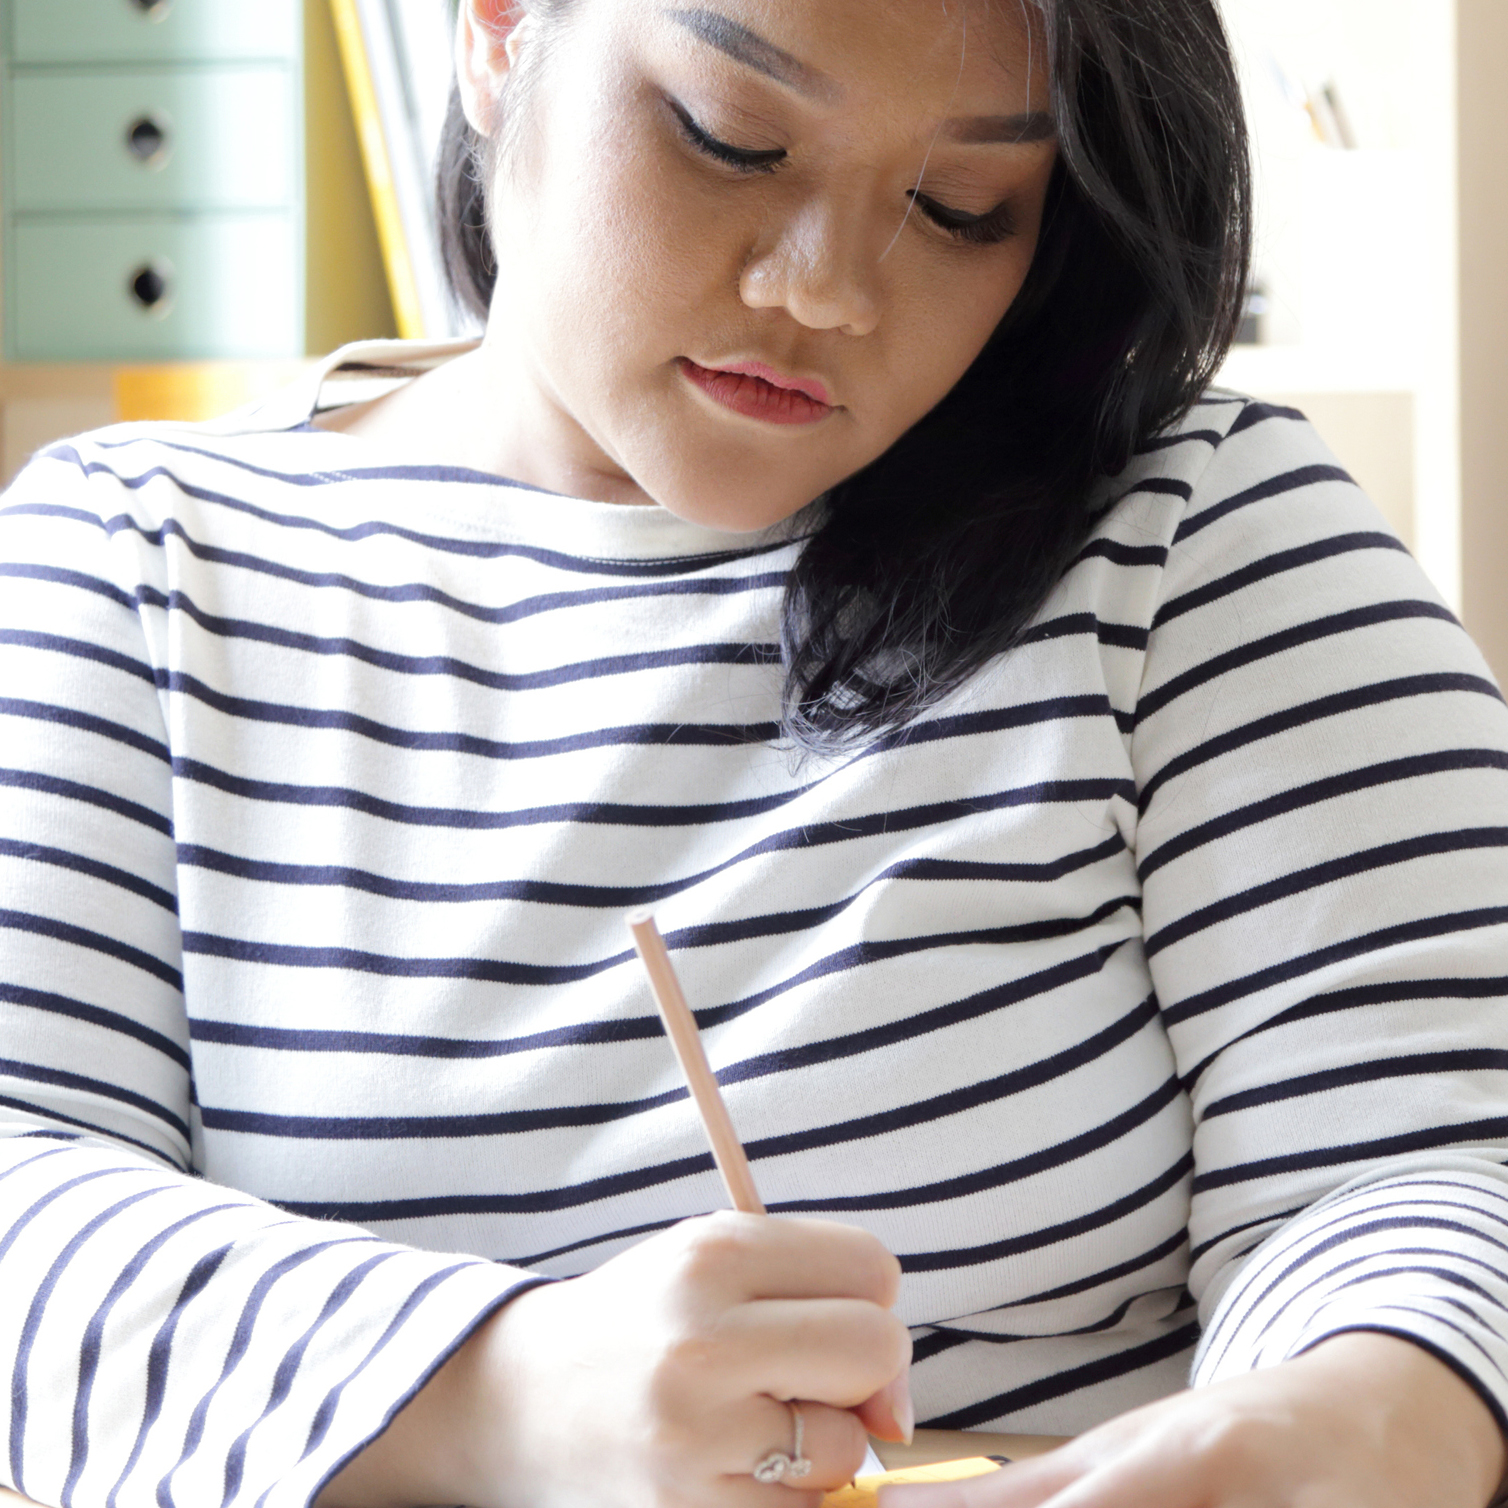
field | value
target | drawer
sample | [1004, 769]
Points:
[205, 138]
[234, 287]
[127, 31]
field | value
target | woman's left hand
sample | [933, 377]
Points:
[1363, 1420]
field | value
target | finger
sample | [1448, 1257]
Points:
[837, 1351]
[754, 1257]
[890, 1414]
[745, 1492]
[1025, 1485]
[831, 1439]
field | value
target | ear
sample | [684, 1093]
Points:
[489, 34]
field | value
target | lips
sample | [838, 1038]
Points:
[760, 392]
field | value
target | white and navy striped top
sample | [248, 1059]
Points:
[1150, 993]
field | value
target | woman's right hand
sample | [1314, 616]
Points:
[657, 1379]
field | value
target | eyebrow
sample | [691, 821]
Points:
[1014, 130]
[749, 48]
[754, 51]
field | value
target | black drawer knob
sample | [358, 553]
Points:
[151, 286]
[153, 10]
[148, 140]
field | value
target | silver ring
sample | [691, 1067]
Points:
[777, 1466]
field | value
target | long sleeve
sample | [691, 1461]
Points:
[162, 1339]
[1322, 764]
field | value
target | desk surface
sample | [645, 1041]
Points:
[929, 1445]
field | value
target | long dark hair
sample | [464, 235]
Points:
[936, 557]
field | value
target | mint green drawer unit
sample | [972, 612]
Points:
[127, 31]
[202, 138]
[145, 288]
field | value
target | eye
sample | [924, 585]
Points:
[988, 229]
[742, 158]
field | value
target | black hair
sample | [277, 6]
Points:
[937, 556]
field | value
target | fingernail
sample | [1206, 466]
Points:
[902, 1410]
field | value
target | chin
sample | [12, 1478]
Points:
[730, 514]
[734, 502]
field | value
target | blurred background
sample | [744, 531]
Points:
[198, 195]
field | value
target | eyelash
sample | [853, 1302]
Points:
[989, 229]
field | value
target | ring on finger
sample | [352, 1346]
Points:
[778, 1466]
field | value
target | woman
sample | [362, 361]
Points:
[1076, 818]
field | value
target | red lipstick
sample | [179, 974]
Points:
[760, 392]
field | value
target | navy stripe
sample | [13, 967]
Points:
[1349, 1075]
[108, 1134]
[84, 722]
[1384, 856]
[158, 1358]
[332, 1399]
[1255, 413]
[476, 549]
[514, 1122]
[1426, 1139]
[50, 1197]
[1273, 1220]
[1305, 713]
[287, 1368]
[78, 649]
[621, 814]
[71, 790]
[58, 576]
[407, 592]
[1440, 762]
[461, 670]
[1164, 1249]
[1071, 1380]
[1341, 1229]
[1352, 947]
[1014, 1170]
[109, 874]
[1261, 492]
[1386, 993]
[666, 735]
[1274, 565]
[1070, 625]
[641, 1028]
[61, 1078]
[92, 1343]
[1121, 554]
[240, 1343]
[1067, 1230]
[547, 892]
[507, 971]
[1285, 639]
[1211, 437]
[20, 1390]
[95, 942]
[93, 1015]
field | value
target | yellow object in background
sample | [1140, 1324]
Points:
[403, 285]
[863, 1492]
[191, 391]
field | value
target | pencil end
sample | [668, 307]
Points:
[639, 918]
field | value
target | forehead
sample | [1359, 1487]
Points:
[988, 52]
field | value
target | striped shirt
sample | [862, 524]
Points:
[1141, 997]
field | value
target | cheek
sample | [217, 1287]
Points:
[620, 254]
[944, 315]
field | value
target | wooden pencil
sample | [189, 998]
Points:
[680, 1026]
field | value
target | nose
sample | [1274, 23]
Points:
[821, 265]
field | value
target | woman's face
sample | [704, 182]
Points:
[744, 245]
